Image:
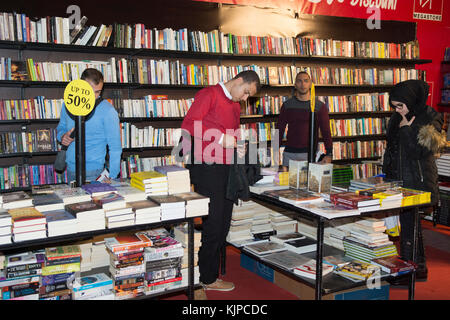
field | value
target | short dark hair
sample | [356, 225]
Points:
[249, 76]
[92, 74]
[303, 72]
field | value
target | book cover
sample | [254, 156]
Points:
[98, 188]
[353, 200]
[62, 252]
[286, 259]
[301, 245]
[15, 196]
[192, 197]
[320, 177]
[294, 196]
[24, 258]
[329, 210]
[357, 270]
[56, 217]
[19, 71]
[70, 195]
[308, 269]
[91, 281]
[168, 169]
[394, 264]
[265, 247]
[281, 238]
[167, 200]
[44, 140]
[43, 199]
[298, 174]
[143, 204]
[75, 208]
[108, 198]
[148, 176]
[26, 216]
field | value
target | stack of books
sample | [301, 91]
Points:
[100, 255]
[355, 201]
[368, 241]
[302, 245]
[152, 183]
[308, 269]
[47, 202]
[28, 224]
[172, 207]
[196, 204]
[294, 196]
[127, 265]
[162, 262]
[264, 248]
[86, 255]
[93, 287]
[61, 264]
[60, 222]
[261, 225]
[241, 223]
[357, 271]
[178, 179]
[22, 276]
[117, 213]
[377, 183]
[394, 265]
[128, 192]
[17, 199]
[389, 198]
[5, 227]
[145, 211]
[181, 235]
[282, 224]
[72, 195]
[90, 215]
[98, 188]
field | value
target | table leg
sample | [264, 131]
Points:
[412, 282]
[191, 259]
[319, 259]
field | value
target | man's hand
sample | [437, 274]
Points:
[66, 140]
[405, 121]
[228, 141]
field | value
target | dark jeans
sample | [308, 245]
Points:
[407, 238]
[211, 181]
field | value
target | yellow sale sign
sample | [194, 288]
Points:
[79, 97]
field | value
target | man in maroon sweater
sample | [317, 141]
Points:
[295, 113]
[212, 123]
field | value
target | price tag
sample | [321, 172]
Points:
[79, 97]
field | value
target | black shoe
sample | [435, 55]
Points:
[403, 280]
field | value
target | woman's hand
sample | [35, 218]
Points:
[405, 121]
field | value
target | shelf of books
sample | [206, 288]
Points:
[135, 237]
[281, 226]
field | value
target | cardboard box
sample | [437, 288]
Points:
[257, 267]
[306, 292]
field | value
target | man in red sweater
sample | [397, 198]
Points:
[295, 114]
[212, 122]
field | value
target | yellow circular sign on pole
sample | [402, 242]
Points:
[79, 97]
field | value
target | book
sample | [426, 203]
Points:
[298, 174]
[98, 188]
[357, 270]
[144, 206]
[148, 176]
[329, 210]
[110, 200]
[394, 264]
[24, 258]
[293, 196]
[44, 140]
[62, 252]
[320, 177]
[335, 261]
[59, 218]
[353, 200]
[83, 209]
[91, 281]
[301, 245]
[47, 202]
[265, 247]
[285, 259]
[282, 238]
[27, 216]
[371, 222]
[5, 218]
[72, 195]
[167, 201]
[16, 199]
[19, 71]
[308, 269]
[370, 182]
[127, 242]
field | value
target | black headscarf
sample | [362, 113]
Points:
[413, 93]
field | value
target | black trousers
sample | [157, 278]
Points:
[211, 181]
[407, 238]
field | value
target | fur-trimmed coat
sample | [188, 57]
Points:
[410, 151]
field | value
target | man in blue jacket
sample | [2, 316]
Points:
[101, 129]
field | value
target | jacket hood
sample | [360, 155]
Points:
[413, 93]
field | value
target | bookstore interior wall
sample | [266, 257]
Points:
[352, 73]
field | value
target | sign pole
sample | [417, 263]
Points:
[311, 155]
[79, 99]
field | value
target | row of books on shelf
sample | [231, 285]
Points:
[443, 164]
[26, 175]
[37, 108]
[358, 149]
[136, 163]
[135, 137]
[20, 27]
[161, 106]
[358, 126]
[149, 71]
[363, 241]
[56, 210]
[41, 140]
[134, 264]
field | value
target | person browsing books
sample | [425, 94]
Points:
[413, 139]
[295, 114]
[101, 130]
[211, 123]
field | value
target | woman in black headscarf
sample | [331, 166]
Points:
[413, 139]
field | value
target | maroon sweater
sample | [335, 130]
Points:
[213, 114]
[295, 114]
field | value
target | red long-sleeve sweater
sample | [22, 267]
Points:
[211, 115]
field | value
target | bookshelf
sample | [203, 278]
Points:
[226, 57]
